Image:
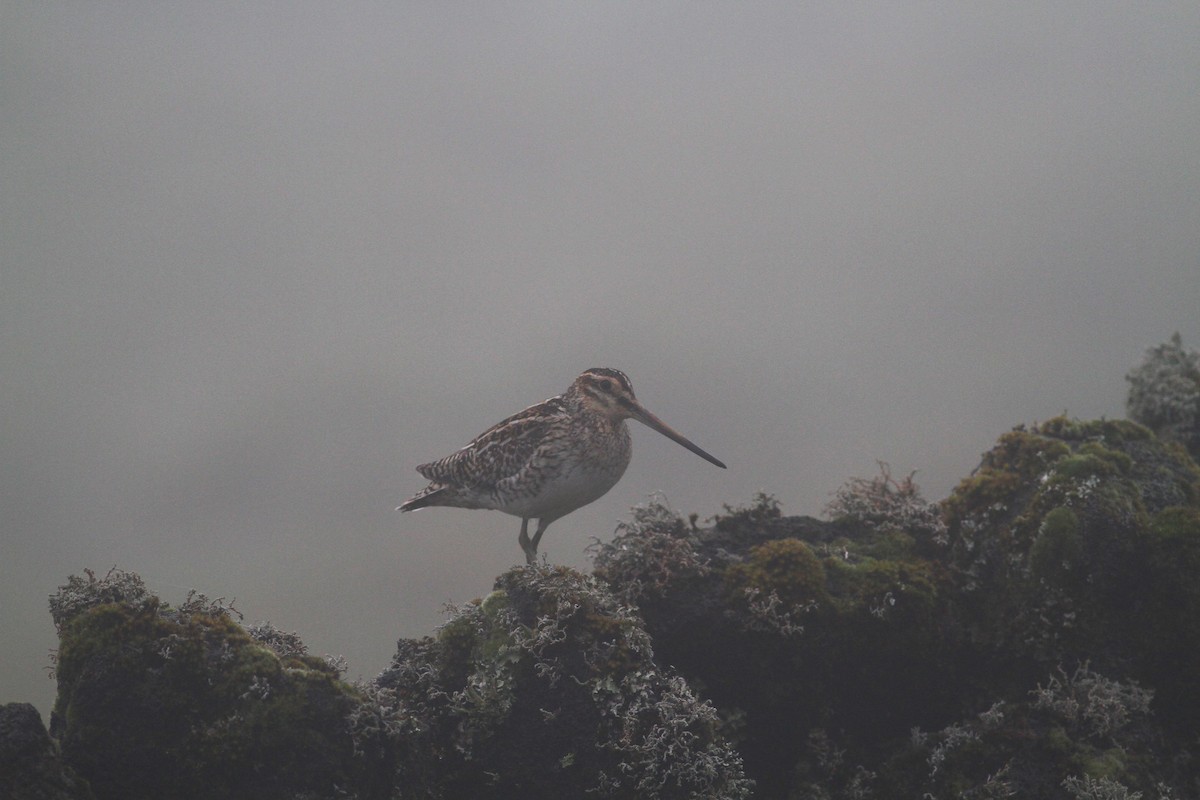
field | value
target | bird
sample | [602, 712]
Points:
[548, 460]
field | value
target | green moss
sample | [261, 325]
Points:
[495, 603]
[1190, 469]
[1183, 473]
[1174, 544]
[892, 545]
[1057, 740]
[1052, 459]
[1048, 536]
[457, 646]
[1080, 466]
[1017, 463]
[981, 491]
[157, 701]
[787, 567]
[1092, 459]
[1108, 763]
[1024, 453]
[1118, 461]
[1058, 545]
[1177, 525]
[885, 589]
[1108, 430]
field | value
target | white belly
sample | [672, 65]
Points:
[563, 494]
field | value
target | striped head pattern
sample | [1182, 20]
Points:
[605, 391]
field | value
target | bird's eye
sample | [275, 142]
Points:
[606, 385]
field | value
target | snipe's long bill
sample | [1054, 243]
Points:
[548, 460]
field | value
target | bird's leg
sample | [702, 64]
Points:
[543, 523]
[529, 548]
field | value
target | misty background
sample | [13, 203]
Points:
[261, 260]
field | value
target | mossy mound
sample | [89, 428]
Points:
[1077, 540]
[1076, 735]
[791, 624]
[1074, 542]
[157, 701]
[548, 688]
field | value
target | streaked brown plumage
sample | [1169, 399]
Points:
[548, 460]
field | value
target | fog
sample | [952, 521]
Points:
[259, 261]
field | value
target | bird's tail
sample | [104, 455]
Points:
[429, 496]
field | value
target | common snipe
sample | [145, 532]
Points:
[548, 460]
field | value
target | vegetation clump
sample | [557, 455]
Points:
[787, 569]
[648, 555]
[1164, 393]
[884, 504]
[1056, 552]
[1081, 729]
[806, 598]
[549, 688]
[162, 701]
[1075, 541]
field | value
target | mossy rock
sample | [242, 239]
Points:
[798, 623]
[786, 567]
[1029, 745]
[548, 688]
[1054, 547]
[162, 702]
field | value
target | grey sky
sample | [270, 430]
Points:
[260, 260]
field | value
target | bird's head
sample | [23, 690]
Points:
[608, 392]
[605, 391]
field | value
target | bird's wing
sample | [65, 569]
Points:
[499, 452]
